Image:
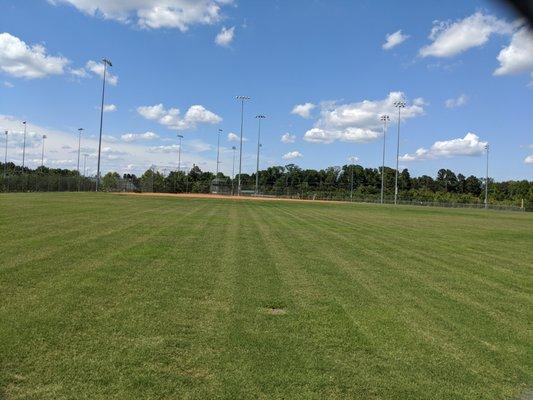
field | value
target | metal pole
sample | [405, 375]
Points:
[106, 63]
[79, 149]
[351, 183]
[179, 153]
[385, 119]
[399, 105]
[259, 118]
[233, 171]
[5, 158]
[241, 98]
[487, 179]
[218, 151]
[42, 152]
[24, 146]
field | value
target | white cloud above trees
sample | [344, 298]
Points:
[359, 122]
[171, 118]
[291, 155]
[469, 145]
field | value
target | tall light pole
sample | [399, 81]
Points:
[233, 169]
[80, 130]
[385, 119]
[106, 63]
[180, 137]
[399, 105]
[42, 152]
[218, 150]
[487, 178]
[259, 118]
[242, 99]
[5, 157]
[24, 146]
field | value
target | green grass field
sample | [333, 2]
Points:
[128, 297]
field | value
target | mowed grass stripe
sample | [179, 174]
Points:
[424, 252]
[103, 281]
[414, 295]
[374, 310]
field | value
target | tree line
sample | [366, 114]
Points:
[290, 180]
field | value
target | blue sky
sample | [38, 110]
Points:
[463, 68]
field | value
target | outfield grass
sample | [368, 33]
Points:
[123, 297]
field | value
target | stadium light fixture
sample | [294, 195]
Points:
[24, 146]
[5, 157]
[180, 137]
[385, 119]
[399, 105]
[106, 63]
[218, 150]
[487, 178]
[242, 99]
[259, 118]
[42, 152]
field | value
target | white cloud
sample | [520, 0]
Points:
[470, 145]
[233, 137]
[303, 110]
[529, 159]
[518, 56]
[288, 138]
[292, 155]
[79, 72]
[173, 148]
[23, 61]
[97, 68]
[171, 118]
[458, 102]
[198, 146]
[353, 159]
[120, 156]
[153, 14]
[359, 122]
[225, 36]
[394, 39]
[451, 38]
[110, 108]
[8, 84]
[132, 137]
